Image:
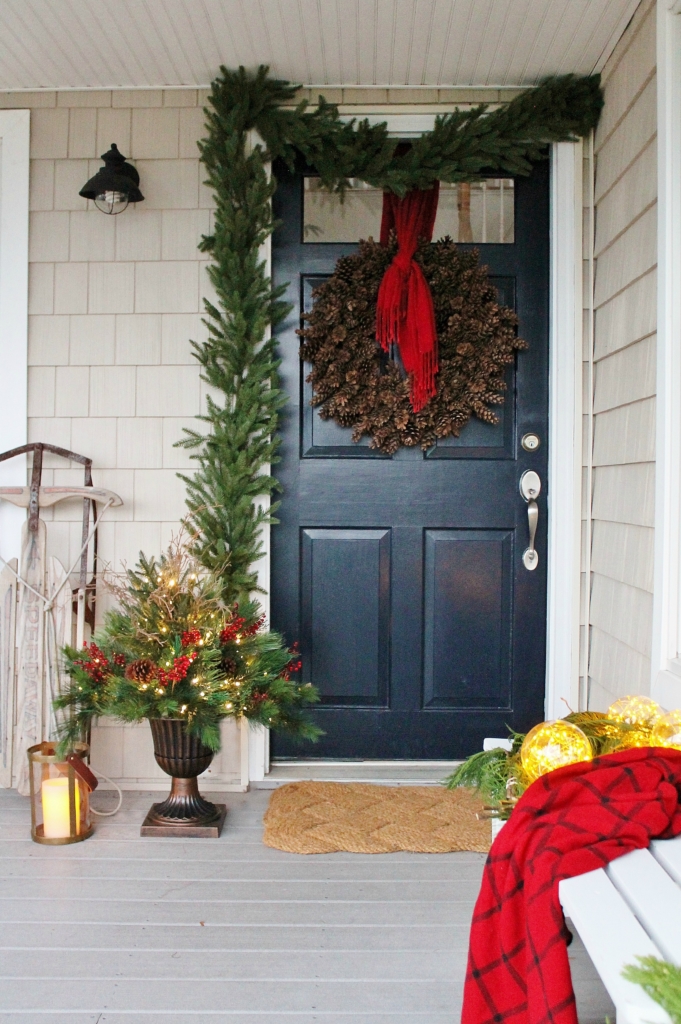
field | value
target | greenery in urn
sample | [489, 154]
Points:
[173, 649]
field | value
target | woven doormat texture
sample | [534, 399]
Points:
[355, 817]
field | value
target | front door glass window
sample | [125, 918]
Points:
[482, 212]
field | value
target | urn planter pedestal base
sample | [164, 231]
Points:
[194, 817]
[184, 813]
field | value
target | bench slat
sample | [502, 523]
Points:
[668, 852]
[613, 938]
[653, 896]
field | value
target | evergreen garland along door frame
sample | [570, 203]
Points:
[228, 494]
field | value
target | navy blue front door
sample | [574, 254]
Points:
[402, 577]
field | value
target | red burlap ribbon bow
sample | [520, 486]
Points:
[404, 310]
[570, 821]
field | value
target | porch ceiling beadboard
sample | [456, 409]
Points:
[84, 44]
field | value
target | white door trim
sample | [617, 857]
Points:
[565, 427]
[565, 432]
[666, 640]
[14, 171]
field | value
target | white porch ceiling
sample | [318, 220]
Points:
[151, 43]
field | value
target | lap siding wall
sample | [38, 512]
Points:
[624, 369]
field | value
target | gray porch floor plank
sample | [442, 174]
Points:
[309, 871]
[88, 911]
[252, 939]
[303, 996]
[231, 965]
[218, 1016]
[225, 890]
[121, 930]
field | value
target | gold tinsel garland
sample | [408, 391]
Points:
[355, 384]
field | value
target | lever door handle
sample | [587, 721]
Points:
[530, 486]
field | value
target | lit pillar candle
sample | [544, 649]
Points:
[56, 814]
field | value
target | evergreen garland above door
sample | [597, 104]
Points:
[229, 495]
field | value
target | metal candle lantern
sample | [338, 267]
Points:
[60, 795]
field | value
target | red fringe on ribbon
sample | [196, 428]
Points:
[404, 310]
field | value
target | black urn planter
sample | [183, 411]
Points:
[184, 813]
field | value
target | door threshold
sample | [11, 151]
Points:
[382, 773]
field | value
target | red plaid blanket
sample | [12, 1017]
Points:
[570, 821]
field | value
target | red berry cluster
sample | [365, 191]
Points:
[191, 637]
[179, 669]
[294, 665]
[96, 664]
[119, 659]
[254, 627]
[238, 627]
[232, 630]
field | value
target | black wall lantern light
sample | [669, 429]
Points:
[114, 185]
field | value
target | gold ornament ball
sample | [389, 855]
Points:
[552, 745]
[667, 731]
[641, 712]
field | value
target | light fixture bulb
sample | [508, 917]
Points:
[112, 202]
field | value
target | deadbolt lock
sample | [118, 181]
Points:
[530, 442]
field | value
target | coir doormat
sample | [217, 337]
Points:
[327, 817]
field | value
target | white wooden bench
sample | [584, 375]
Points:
[631, 908]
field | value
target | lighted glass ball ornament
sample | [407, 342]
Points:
[641, 712]
[667, 731]
[552, 745]
[641, 715]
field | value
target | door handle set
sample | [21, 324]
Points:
[530, 486]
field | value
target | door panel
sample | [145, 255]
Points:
[345, 638]
[467, 643]
[402, 575]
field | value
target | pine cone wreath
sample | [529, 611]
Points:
[358, 386]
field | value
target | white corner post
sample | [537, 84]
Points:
[565, 432]
[14, 171]
[666, 642]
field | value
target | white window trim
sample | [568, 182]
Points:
[14, 178]
[666, 640]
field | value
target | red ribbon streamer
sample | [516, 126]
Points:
[404, 310]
